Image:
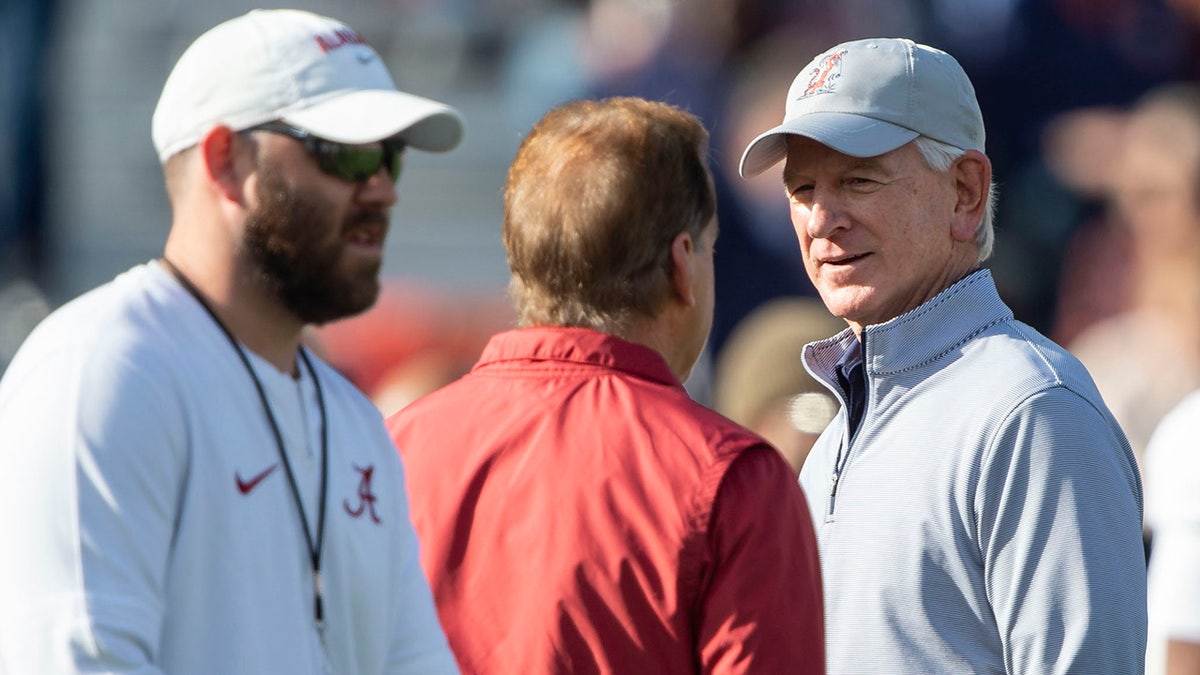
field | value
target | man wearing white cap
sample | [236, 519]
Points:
[185, 488]
[978, 508]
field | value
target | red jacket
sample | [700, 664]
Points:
[579, 513]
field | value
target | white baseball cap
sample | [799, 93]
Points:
[306, 70]
[868, 97]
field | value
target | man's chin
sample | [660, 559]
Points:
[335, 301]
[846, 301]
[364, 301]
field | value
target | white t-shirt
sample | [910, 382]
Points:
[146, 519]
[1173, 516]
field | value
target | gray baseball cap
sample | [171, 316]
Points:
[868, 97]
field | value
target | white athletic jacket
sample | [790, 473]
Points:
[146, 521]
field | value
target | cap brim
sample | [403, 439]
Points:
[849, 134]
[367, 116]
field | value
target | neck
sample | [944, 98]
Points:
[663, 338]
[254, 320]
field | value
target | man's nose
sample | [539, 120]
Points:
[824, 215]
[378, 189]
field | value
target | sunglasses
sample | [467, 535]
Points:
[355, 163]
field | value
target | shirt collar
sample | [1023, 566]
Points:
[936, 327]
[581, 346]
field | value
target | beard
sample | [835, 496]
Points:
[296, 245]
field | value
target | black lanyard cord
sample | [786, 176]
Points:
[314, 549]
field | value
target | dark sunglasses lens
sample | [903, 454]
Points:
[395, 161]
[353, 163]
[358, 163]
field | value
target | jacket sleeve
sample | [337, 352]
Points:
[419, 646]
[91, 466]
[1059, 513]
[762, 610]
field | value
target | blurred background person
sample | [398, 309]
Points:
[760, 381]
[1030, 61]
[26, 32]
[1145, 357]
[26, 29]
[1080, 149]
[1173, 514]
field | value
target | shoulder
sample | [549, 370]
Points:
[760, 473]
[1061, 413]
[105, 367]
[1047, 392]
[737, 466]
[702, 427]
[125, 325]
[1056, 438]
[1017, 362]
[1041, 409]
[339, 390]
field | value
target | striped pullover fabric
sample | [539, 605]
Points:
[986, 516]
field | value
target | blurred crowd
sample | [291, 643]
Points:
[1098, 230]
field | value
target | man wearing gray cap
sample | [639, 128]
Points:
[978, 508]
[184, 487]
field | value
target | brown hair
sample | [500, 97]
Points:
[595, 196]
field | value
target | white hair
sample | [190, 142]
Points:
[939, 156]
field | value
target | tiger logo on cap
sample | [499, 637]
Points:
[825, 74]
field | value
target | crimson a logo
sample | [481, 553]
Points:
[366, 497]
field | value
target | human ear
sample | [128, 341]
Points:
[972, 175]
[683, 249]
[219, 150]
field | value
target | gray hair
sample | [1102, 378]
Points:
[939, 156]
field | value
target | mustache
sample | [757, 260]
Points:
[372, 218]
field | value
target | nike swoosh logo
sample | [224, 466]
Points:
[366, 58]
[245, 486]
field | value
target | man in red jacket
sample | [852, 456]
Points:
[577, 511]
